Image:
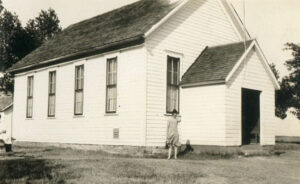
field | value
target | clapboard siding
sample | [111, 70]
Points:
[203, 115]
[252, 75]
[5, 124]
[199, 24]
[94, 127]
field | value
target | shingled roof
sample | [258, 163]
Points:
[5, 102]
[214, 64]
[125, 26]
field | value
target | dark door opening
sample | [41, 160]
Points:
[250, 116]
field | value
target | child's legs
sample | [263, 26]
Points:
[170, 151]
[175, 150]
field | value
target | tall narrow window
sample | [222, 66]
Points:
[29, 108]
[51, 97]
[111, 86]
[173, 84]
[79, 72]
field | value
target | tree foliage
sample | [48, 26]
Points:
[1, 6]
[274, 70]
[17, 41]
[10, 32]
[288, 97]
[43, 27]
[293, 79]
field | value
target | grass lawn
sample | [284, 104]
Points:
[49, 164]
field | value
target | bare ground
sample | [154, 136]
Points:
[51, 164]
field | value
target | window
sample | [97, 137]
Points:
[29, 107]
[78, 105]
[51, 95]
[111, 86]
[173, 84]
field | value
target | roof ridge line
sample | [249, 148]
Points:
[109, 11]
[73, 54]
[178, 5]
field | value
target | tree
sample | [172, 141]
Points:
[12, 45]
[1, 6]
[43, 27]
[8, 83]
[288, 97]
[274, 70]
[16, 42]
[293, 80]
[47, 24]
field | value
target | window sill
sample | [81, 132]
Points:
[29, 119]
[178, 115]
[78, 116]
[51, 117]
[111, 114]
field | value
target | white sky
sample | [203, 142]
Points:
[271, 22]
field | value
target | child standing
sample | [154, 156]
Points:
[172, 134]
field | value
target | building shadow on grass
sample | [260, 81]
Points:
[28, 169]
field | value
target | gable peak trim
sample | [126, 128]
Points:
[264, 61]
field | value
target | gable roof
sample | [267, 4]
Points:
[214, 64]
[5, 102]
[116, 29]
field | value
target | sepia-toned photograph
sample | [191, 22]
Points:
[149, 91]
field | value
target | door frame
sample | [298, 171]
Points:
[259, 113]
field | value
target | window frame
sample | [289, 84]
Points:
[78, 90]
[178, 81]
[50, 94]
[107, 86]
[28, 97]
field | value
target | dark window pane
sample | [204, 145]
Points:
[51, 111]
[79, 84]
[172, 96]
[79, 102]
[29, 106]
[173, 84]
[52, 88]
[111, 87]
[111, 102]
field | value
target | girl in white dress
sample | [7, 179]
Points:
[172, 134]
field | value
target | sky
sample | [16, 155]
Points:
[272, 22]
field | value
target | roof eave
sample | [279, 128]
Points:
[7, 107]
[269, 70]
[106, 48]
[237, 65]
[203, 83]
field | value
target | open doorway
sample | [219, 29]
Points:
[250, 116]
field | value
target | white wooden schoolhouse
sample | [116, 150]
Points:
[6, 108]
[114, 79]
